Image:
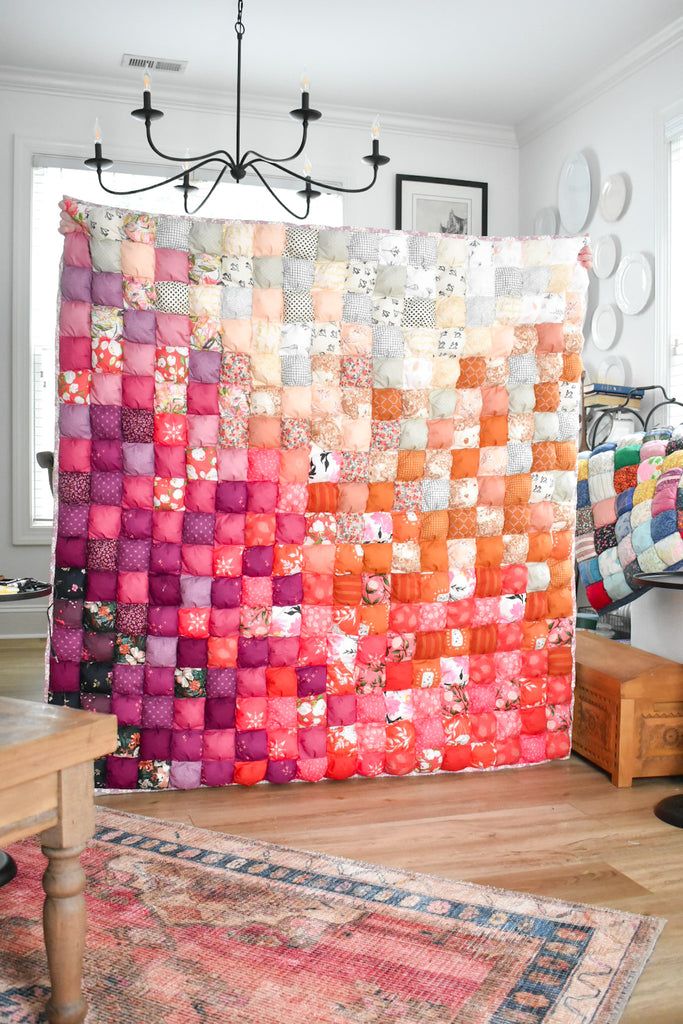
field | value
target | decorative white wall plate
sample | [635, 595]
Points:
[605, 255]
[604, 326]
[574, 192]
[612, 370]
[547, 221]
[613, 196]
[633, 283]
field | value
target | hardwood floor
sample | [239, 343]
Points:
[559, 830]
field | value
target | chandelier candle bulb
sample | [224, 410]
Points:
[374, 129]
[97, 130]
[308, 168]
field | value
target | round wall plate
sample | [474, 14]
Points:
[547, 221]
[604, 326]
[633, 284]
[574, 192]
[605, 256]
[613, 196]
[612, 370]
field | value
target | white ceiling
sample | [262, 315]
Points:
[482, 60]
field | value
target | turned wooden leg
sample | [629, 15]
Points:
[64, 927]
[64, 921]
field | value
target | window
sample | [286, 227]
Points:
[50, 182]
[676, 276]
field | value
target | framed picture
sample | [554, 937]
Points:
[446, 205]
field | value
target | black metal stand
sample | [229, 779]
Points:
[8, 868]
[670, 810]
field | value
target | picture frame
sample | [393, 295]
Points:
[446, 205]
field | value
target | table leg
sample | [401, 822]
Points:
[64, 919]
[64, 928]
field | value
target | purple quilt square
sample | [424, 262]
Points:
[155, 744]
[138, 459]
[71, 551]
[106, 488]
[102, 554]
[100, 586]
[219, 713]
[76, 284]
[133, 555]
[185, 774]
[165, 559]
[198, 528]
[72, 520]
[129, 679]
[281, 772]
[74, 488]
[252, 652]
[205, 366]
[68, 613]
[288, 590]
[107, 289]
[74, 421]
[98, 647]
[252, 745]
[157, 712]
[341, 710]
[195, 591]
[127, 708]
[64, 676]
[122, 772]
[159, 682]
[192, 652]
[231, 496]
[139, 325]
[217, 773]
[221, 682]
[162, 651]
[164, 590]
[257, 561]
[226, 592]
[186, 745]
[136, 523]
[105, 421]
[311, 679]
[162, 621]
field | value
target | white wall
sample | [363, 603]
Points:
[63, 111]
[617, 132]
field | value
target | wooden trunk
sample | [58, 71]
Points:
[628, 710]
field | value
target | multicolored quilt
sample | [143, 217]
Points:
[629, 514]
[316, 497]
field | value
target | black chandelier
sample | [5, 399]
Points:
[242, 161]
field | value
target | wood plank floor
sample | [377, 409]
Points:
[558, 830]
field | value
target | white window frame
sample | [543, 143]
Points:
[668, 125]
[28, 149]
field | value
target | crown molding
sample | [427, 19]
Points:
[631, 62]
[270, 108]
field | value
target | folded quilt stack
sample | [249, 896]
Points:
[316, 497]
[629, 514]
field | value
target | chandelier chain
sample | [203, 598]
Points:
[239, 24]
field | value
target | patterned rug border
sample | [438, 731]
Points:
[610, 1001]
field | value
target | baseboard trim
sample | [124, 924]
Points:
[23, 620]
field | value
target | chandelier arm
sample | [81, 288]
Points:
[292, 213]
[261, 156]
[321, 184]
[222, 153]
[156, 184]
[208, 194]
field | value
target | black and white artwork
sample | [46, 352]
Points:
[448, 206]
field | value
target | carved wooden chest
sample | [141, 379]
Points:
[628, 712]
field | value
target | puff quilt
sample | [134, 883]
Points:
[316, 497]
[629, 514]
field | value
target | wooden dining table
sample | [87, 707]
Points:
[46, 789]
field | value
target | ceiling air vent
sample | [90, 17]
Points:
[132, 60]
